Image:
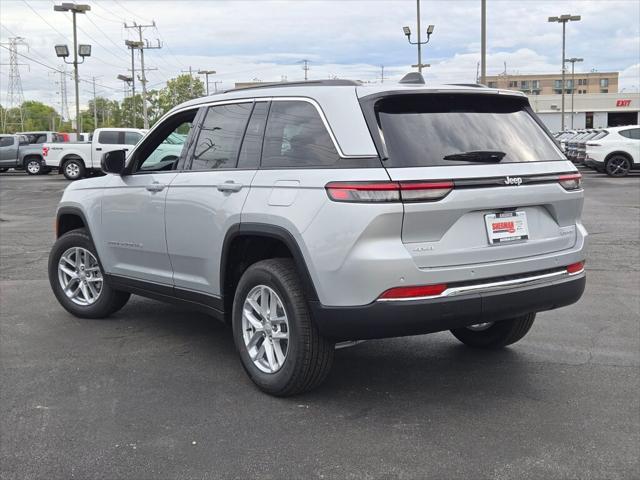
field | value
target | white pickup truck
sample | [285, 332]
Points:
[76, 159]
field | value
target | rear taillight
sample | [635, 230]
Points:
[380, 192]
[404, 293]
[571, 181]
[45, 151]
[575, 267]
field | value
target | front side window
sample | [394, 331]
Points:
[6, 141]
[220, 136]
[109, 137]
[454, 129]
[297, 137]
[164, 147]
[633, 133]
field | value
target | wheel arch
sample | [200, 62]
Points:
[273, 241]
[620, 153]
[30, 156]
[70, 218]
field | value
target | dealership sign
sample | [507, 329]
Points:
[623, 103]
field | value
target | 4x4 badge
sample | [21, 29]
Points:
[513, 181]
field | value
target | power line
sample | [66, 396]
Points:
[122, 7]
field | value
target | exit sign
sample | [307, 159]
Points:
[623, 103]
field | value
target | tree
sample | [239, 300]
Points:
[178, 90]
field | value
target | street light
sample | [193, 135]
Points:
[563, 19]
[206, 74]
[407, 32]
[573, 61]
[62, 51]
[127, 81]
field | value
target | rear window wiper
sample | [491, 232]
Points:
[488, 156]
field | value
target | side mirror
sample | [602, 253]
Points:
[113, 162]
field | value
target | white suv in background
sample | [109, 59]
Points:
[616, 153]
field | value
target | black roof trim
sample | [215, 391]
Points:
[473, 85]
[310, 83]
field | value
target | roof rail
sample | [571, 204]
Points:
[473, 85]
[310, 83]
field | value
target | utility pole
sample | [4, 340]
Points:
[206, 74]
[133, 45]
[563, 19]
[15, 95]
[215, 86]
[83, 50]
[483, 41]
[381, 73]
[573, 61]
[190, 71]
[143, 79]
[306, 69]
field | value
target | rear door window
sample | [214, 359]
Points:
[131, 138]
[109, 137]
[252, 143]
[633, 133]
[297, 137]
[460, 129]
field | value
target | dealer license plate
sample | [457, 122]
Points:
[506, 227]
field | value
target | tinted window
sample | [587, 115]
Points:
[252, 143]
[109, 137]
[220, 136]
[631, 133]
[131, 138]
[6, 141]
[297, 137]
[420, 130]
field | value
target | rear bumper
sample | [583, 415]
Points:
[401, 318]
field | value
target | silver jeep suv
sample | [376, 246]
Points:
[307, 214]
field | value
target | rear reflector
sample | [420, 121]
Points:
[377, 192]
[400, 293]
[575, 267]
[571, 181]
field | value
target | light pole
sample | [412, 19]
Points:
[483, 41]
[127, 80]
[206, 74]
[133, 45]
[62, 51]
[563, 19]
[419, 43]
[573, 61]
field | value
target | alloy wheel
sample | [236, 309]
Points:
[72, 170]
[80, 276]
[618, 166]
[479, 327]
[33, 167]
[265, 329]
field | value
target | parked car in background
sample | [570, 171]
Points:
[581, 145]
[77, 159]
[312, 213]
[617, 152]
[41, 137]
[16, 152]
[563, 137]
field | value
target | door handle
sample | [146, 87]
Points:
[98, 149]
[229, 186]
[155, 187]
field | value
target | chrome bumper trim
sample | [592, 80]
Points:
[492, 286]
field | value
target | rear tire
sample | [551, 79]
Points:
[33, 166]
[498, 335]
[73, 169]
[618, 166]
[106, 302]
[307, 355]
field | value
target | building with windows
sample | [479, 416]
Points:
[596, 110]
[550, 84]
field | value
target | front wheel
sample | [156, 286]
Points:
[33, 166]
[77, 279]
[279, 345]
[495, 334]
[73, 169]
[618, 166]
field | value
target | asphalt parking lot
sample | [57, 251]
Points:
[158, 392]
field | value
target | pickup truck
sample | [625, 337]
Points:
[75, 160]
[16, 152]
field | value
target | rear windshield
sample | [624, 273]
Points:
[421, 130]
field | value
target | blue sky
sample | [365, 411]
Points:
[246, 40]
